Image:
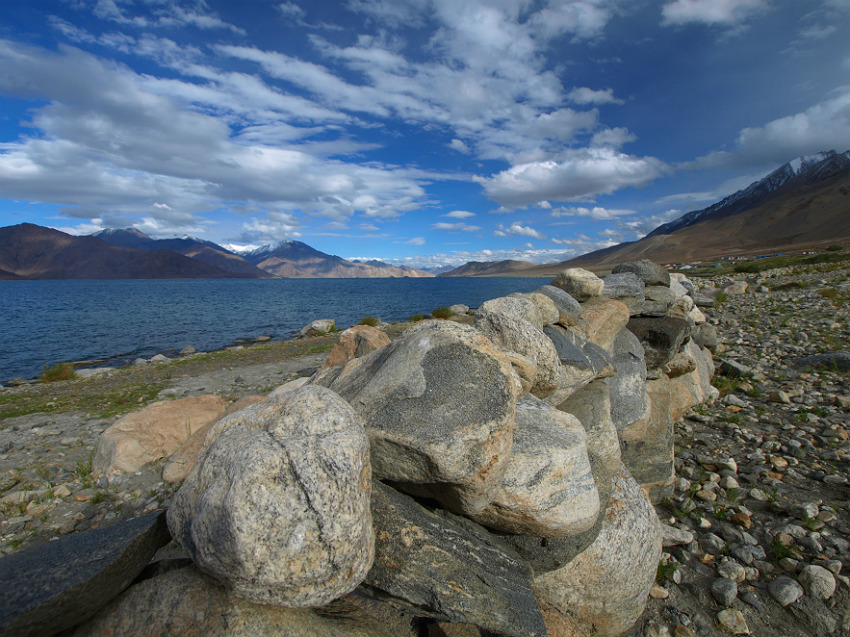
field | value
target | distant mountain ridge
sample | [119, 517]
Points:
[796, 173]
[295, 259]
[198, 249]
[28, 251]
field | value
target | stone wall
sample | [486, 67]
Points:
[495, 475]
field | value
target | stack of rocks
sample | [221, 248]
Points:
[494, 475]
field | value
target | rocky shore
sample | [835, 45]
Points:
[755, 522]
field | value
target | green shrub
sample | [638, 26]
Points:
[415, 318]
[834, 248]
[371, 321]
[750, 268]
[442, 312]
[59, 371]
[720, 299]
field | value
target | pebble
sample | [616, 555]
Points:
[725, 591]
[732, 570]
[818, 581]
[785, 590]
[733, 621]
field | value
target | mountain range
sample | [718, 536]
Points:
[801, 205]
[28, 251]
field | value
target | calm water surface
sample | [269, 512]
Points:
[51, 321]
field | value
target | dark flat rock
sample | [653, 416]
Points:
[56, 585]
[838, 361]
[446, 563]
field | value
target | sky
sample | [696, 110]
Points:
[421, 132]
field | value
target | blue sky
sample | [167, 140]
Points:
[421, 132]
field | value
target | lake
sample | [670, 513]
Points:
[45, 322]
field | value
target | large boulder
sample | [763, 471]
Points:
[277, 506]
[604, 590]
[569, 310]
[445, 563]
[548, 490]
[579, 283]
[647, 445]
[544, 311]
[626, 287]
[53, 586]
[512, 333]
[355, 342]
[650, 273]
[581, 360]
[438, 406]
[181, 461]
[591, 407]
[602, 319]
[629, 402]
[658, 301]
[153, 433]
[660, 337]
[319, 327]
[184, 602]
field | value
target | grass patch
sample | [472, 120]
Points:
[666, 571]
[415, 318]
[58, 372]
[371, 321]
[442, 312]
[104, 404]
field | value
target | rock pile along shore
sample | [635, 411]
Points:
[484, 479]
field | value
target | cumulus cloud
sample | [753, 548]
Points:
[459, 214]
[584, 95]
[712, 12]
[465, 227]
[818, 128]
[596, 212]
[109, 143]
[580, 174]
[415, 241]
[517, 229]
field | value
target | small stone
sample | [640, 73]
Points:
[785, 590]
[682, 631]
[706, 496]
[658, 592]
[732, 570]
[733, 621]
[61, 491]
[742, 519]
[818, 581]
[671, 536]
[725, 591]
[748, 598]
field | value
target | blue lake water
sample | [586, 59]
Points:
[52, 321]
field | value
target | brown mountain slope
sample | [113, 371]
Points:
[32, 252]
[509, 267]
[813, 216]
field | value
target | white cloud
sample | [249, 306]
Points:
[459, 146]
[459, 214]
[818, 128]
[442, 225]
[613, 137]
[113, 142]
[584, 95]
[596, 212]
[517, 229]
[578, 175]
[415, 241]
[722, 12]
